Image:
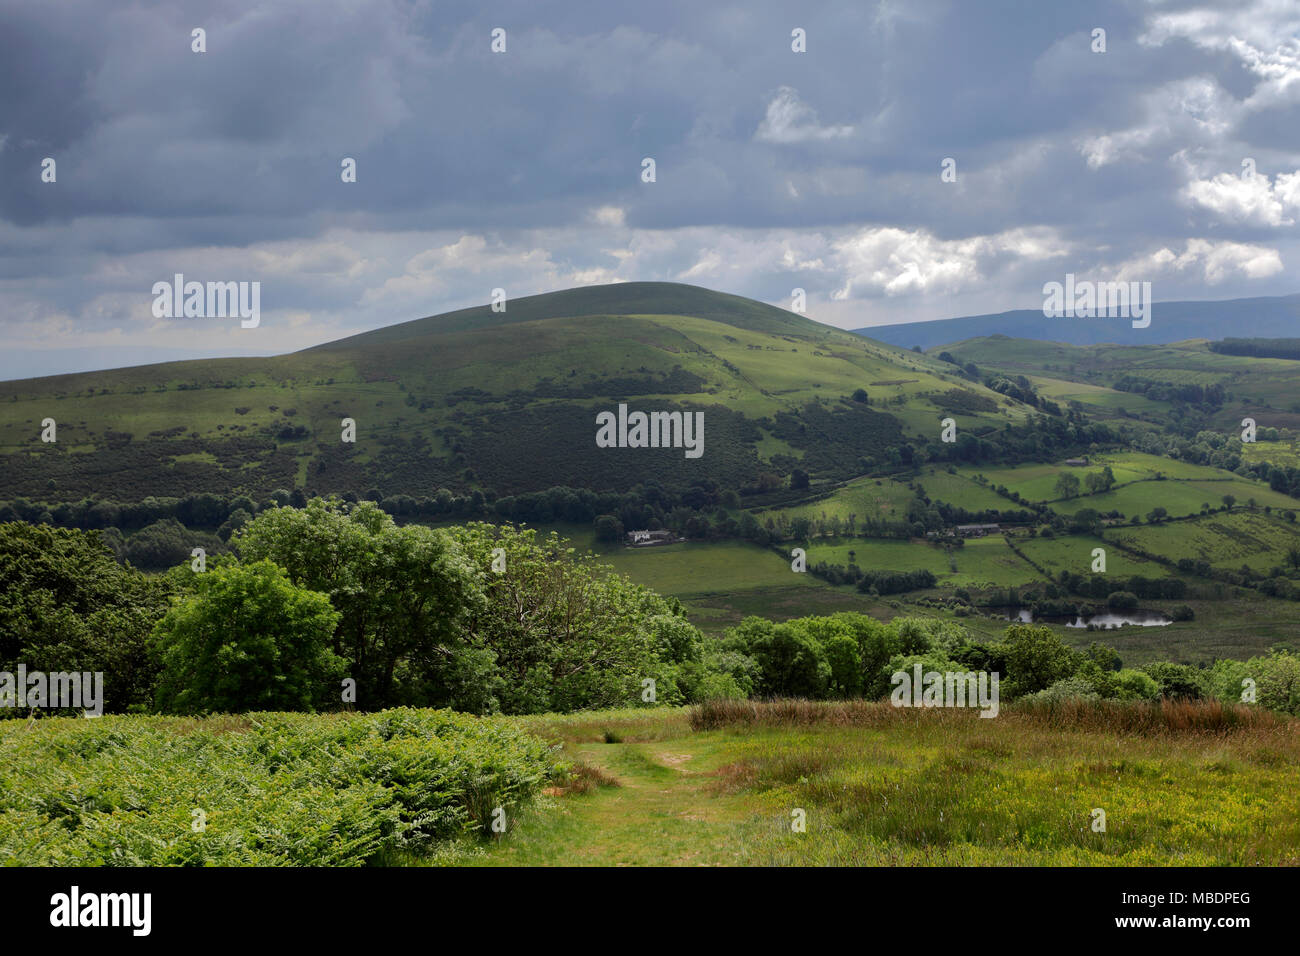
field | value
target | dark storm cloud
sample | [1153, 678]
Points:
[820, 169]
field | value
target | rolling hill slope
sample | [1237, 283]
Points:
[1139, 379]
[1263, 317]
[499, 402]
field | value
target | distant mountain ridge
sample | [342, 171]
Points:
[502, 403]
[618, 298]
[1261, 317]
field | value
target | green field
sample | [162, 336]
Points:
[882, 786]
[861, 497]
[1257, 540]
[1074, 554]
[1037, 482]
[1178, 498]
[1262, 388]
[1099, 400]
[701, 568]
[958, 490]
[1280, 453]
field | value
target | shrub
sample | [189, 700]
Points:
[1122, 601]
[1177, 680]
[270, 789]
[1071, 688]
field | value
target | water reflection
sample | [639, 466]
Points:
[1104, 621]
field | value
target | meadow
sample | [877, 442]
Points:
[1180, 784]
[860, 497]
[1255, 539]
[1097, 399]
[697, 569]
[1074, 553]
[1178, 498]
[885, 786]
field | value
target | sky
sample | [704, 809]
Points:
[1172, 157]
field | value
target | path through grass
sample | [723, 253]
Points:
[881, 786]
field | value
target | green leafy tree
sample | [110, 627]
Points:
[67, 605]
[1177, 680]
[403, 595]
[791, 662]
[163, 544]
[1136, 685]
[247, 639]
[564, 633]
[1067, 485]
[609, 529]
[845, 662]
[1122, 601]
[1094, 482]
[1035, 659]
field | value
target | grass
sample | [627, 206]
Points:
[1178, 498]
[863, 497]
[980, 562]
[714, 613]
[702, 568]
[1179, 784]
[1280, 453]
[958, 490]
[1074, 553]
[1256, 539]
[1037, 481]
[1102, 401]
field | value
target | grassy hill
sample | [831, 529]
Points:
[1266, 389]
[501, 402]
[1170, 322]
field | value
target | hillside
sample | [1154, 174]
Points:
[503, 403]
[1124, 380]
[1266, 317]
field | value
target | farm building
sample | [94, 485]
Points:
[977, 530]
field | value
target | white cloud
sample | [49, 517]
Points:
[1217, 262]
[614, 216]
[1262, 35]
[1195, 109]
[1254, 201]
[897, 262]
[790, 120]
